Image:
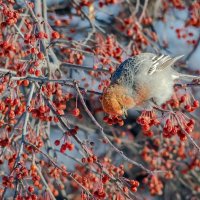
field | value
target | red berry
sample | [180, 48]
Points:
[134, 189]
[30, 189]
[188, 107]
[55, 35]
[40, 56]
[71, 147]
[25, 83]
[57, 142]
[196, 103]
[37, 72]
[75, 112]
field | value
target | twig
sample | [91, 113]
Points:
[44, 181]
[144, 10]
[67, 82]
[80, 67]
[24, 131]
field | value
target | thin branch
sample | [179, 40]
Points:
[24, 129]
[80, 67]
[44, 181]
[144, 10]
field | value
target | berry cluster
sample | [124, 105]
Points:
[173, 127]
[147, 120]
[112, 120]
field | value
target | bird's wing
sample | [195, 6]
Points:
[147, 62]
[161, 62]
[126, 69]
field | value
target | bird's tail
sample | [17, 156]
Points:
[187, 77]
[180, 76]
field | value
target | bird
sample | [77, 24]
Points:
[142, 80]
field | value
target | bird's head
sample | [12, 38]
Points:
[116, 100]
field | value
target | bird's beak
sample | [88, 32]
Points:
[125, 114]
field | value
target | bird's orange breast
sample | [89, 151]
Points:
[116, 98]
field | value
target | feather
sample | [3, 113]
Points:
[161, 62]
